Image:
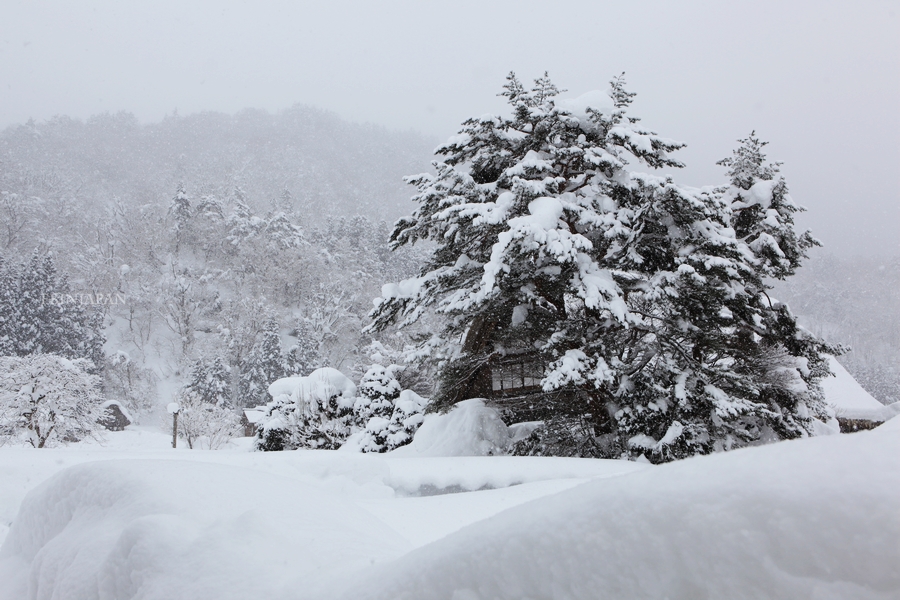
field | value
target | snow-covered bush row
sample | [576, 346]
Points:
[468, 429]
[325, 410]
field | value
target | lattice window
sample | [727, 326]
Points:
[516, 375]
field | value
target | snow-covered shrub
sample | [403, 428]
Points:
[46, 399]
[384, 415]
[383, 434]
[308, 412]
[470, 428]
[376, 394]
[204, 424]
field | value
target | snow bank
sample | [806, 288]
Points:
[848, 399]
[469, 429]
[178, 529]
[813, 518]
[412, 476]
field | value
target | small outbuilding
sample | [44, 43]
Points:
[114, 416]
[854, 407]
[249, 418]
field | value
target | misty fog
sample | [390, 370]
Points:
[465, 300]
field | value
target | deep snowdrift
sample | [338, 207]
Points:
[813, 518]
[165, 529]
[239, 524]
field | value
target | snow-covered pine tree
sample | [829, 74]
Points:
[646, 312]
[209, 382]
[180, 211]
[264, 364]
[8, 318]
[408, 416]
[281, 234]
[763, 212]
[376, 394]
[303, 357]
[242, 225]
[33, 305]
[42, 315]
[388, 430]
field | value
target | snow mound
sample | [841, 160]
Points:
[166, 529]
[848, 399]
[420, 476]
[469, 429]
[812, 518]
[313, 392]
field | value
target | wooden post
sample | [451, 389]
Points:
[174, 408]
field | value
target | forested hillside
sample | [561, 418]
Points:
[195, 235]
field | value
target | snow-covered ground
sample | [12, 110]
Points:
[129, 517]
[812, 518]
[134, 518]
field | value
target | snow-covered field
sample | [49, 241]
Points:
[814, 518]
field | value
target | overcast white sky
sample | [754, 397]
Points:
[819, 80]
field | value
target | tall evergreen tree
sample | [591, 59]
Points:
[303, 357]
[8, 319]
[41, 314]
[647, 310]
[264, 364]
[181, 212]
[209, 382]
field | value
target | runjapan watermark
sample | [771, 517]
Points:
[96, 299]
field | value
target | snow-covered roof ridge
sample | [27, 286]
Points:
[120, 406]
[848, 399]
